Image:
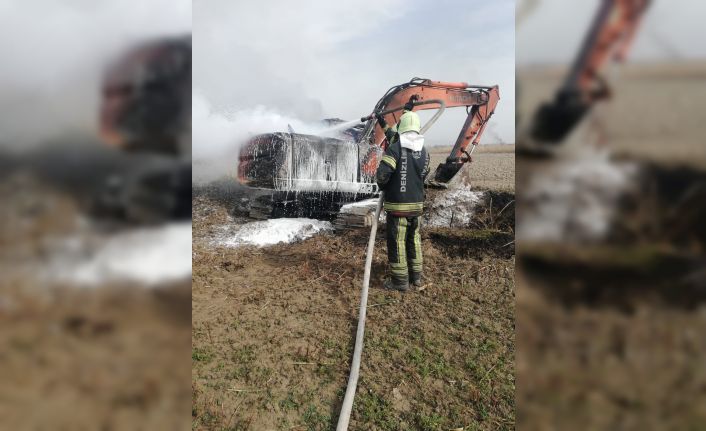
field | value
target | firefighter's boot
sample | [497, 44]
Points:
[395, 284]
[415, 279]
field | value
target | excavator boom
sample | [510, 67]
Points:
[609, 38]
[479, 101]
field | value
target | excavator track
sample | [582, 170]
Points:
[299, 204]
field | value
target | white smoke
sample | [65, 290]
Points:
[217, 136]
[319, 58]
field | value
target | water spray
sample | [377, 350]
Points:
[340, 127]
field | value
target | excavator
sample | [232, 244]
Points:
[146, 113]
[609, 39]
[313, 176]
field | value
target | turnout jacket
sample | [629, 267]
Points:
[401, 176]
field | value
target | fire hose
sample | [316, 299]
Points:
[347, 405]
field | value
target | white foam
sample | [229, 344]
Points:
[453, 208]
[366, 203]
[146, 256]
[274, 231]
[575, 200]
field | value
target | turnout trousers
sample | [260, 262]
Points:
[404, 247]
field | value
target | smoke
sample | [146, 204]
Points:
[53, 56]
[218, 135]
[321, 59]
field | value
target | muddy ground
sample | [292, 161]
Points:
[610, 333]
[110, 356]
[273, 330]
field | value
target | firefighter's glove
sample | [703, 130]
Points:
[381, 120]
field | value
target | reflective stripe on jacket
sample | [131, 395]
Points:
[401, 175]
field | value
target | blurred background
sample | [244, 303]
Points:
[95, 240]
[611, 186]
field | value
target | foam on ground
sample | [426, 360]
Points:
[275, 231]
[144, 256]
[453, 208]
[575, 200]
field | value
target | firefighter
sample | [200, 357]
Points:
[401, 176]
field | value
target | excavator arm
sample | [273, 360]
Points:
[479, 101]
[609, 38]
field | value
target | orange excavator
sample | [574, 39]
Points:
[314, 176]
[609, 38]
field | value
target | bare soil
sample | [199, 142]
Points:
[274, 328]
[655, 112]
[109, 358]
[492, 168]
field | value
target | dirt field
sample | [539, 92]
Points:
[493, 166]
[654, 114]
[111, 356]
[116, 354]
[608, 334]
[273, 329]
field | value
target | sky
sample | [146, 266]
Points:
[322, 59]
[552, 31]
[299, 62]
[54, 54]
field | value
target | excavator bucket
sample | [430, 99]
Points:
[554, 121]
[445, 173]
[307, 163]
